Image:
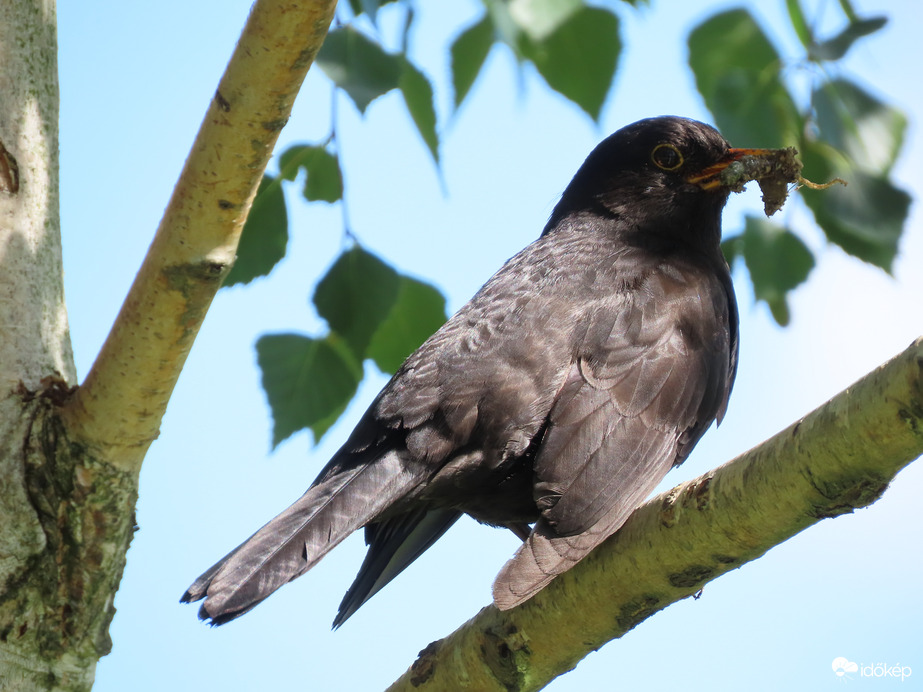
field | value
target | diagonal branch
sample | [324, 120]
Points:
[840, 457]
[118, 409]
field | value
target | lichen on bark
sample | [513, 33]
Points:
[58, 607]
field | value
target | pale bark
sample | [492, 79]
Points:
[840, 457]
[69, 461]
[34, 339]
[33, 320]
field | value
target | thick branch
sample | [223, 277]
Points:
[118, 409]
[841, 456]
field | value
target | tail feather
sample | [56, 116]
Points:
[293, 542]
[541, 558]
[393, 545]
[544, 555]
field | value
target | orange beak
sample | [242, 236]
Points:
[752, 164]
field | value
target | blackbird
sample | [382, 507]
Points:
[552, 403]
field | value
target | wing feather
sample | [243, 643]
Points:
[634, 402]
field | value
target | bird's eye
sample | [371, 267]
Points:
[667, 157]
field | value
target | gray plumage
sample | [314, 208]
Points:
[552, 403]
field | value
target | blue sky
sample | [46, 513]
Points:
[135, 81]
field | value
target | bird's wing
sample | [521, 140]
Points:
[653, 373]
[442, 408]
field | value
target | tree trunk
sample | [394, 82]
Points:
[56, 578]
[70, 457]
[72, 524]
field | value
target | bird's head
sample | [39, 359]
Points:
[658, 176]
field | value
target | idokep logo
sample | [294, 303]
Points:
[844, 668]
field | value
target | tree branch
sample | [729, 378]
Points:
[118, 409]
[840, 457]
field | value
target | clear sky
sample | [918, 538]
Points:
[135, 82]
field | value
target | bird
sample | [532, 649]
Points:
[552, 403]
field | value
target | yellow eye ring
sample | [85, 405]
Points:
[667, 157]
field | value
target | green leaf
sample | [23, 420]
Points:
[359, 66]
[324, 182]
[836, 47]
[355, 296]
[418, 312]
[737, 71]
[541, 18]
[418, 95]
[799, 24]
[777, 260]
[264, 237]
[469, 51]
[858, 139]
[867, 217]
[578, 59]
[867, 130]
[308, 382]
